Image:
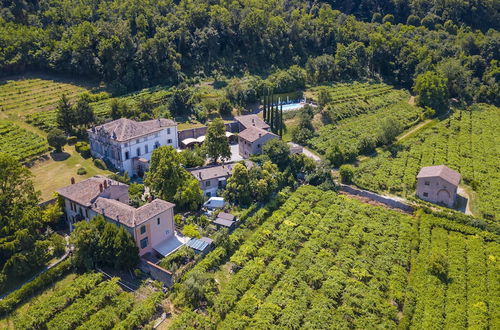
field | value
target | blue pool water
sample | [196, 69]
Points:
[292, 106]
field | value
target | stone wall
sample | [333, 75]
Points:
[391, 202]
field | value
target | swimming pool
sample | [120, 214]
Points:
[293, 106]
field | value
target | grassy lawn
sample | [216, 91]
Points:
[54, 173]
[7, 322]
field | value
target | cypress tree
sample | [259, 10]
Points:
[281, 120]
[65, 114]
[264, 105]
[271, 121]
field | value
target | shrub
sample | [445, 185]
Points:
[85, 151]
[79, 145]
[191, 231]
[81, 171]
[346, 173]
[99, 163]
[72, 140]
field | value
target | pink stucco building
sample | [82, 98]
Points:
[438, 184]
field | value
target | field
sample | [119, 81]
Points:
[353, 118]
[22, 96]
[85, 301]
[20, 143]
[321, 259]
[466, 293]
[467, 142]
[325, 260]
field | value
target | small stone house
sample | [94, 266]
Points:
[438, 184]
[248, 121]
[251, 140]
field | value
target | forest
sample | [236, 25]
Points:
[135, 44]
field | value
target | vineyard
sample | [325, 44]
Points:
[467, 142]
[87, 302]
[455, 278]
[354, 115]
[349, 100]
[355, 133]
[26, 96]
[20, 143]
[324, 259]
[46, 120]
[321, 259]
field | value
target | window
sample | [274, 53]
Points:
[138, 152]
[127, 156]
[86, 213]
[158, 221]
[143, 229]
[426, 194]
[167, 232]
[156, 135]
[144, 243]
[157, 144]
[207, 183]
[169, 141]
[138, 140]
[168, 130]
[209, 194]
[146, 149]
[427, 183]
[126, 144]
[258, 146]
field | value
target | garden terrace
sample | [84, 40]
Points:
[467, 142]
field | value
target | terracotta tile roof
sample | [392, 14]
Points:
[252, 134]
[128, 215]
[85, 191]
[213, 172]
[441, 171]
[124, 129]
[252, 121]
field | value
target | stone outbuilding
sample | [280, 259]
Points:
[438, 184]
[251, 140]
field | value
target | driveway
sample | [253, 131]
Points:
[306, 152]
[235, 155]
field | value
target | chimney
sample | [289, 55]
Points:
[150, 198]
[260, 135]
[199, 174]
[72, 180]
[102, 210]
[105, 184]
[100, 187]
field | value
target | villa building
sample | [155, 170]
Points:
[151, 225]
[438, 184]
[128, 144]
[247, 121]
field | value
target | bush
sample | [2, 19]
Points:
[79, 145]
[72, 140]
[191, 231]
[85, 152]
[81, 171]
[346, 174]
[99, 163]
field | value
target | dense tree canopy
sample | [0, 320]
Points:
[168, 180]
[132, 44]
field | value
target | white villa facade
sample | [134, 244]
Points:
[128, 144]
